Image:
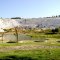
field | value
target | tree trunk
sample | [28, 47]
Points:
[16, 34]
[2, 37]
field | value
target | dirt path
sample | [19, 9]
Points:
[25, 47]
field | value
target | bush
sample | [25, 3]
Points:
[56, 30]
[11, 42]
[16, 18]
[58, 41]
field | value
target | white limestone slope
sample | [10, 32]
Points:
[33, 23]
[8, 23]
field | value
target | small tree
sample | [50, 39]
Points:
[16, 33]
[2, 34]
[55, 30]
[16, 18]
[2, 37]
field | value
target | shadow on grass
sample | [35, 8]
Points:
[17, 58]
[50, 33]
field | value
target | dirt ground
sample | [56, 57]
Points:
[25, 47]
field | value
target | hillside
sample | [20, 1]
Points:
[30, 23]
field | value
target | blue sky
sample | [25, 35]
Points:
[29, 8]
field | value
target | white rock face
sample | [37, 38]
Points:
[1, 30]
[8, 23]
[30, 23]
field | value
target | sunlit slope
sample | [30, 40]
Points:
[33, 22]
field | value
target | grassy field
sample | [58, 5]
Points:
[31, 50]
[40, 47]
[43, 35]
[38, 54]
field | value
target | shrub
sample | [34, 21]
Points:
[11, 42]
[56, 30]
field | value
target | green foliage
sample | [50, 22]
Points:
[7, 30]
[56, 30]
[16, 18]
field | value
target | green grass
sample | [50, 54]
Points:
[38, 54]
[41, 35]
[33, 54]
[50, 42]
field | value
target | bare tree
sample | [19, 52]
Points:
[2, 37]
[16, 33]
[2, 34]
